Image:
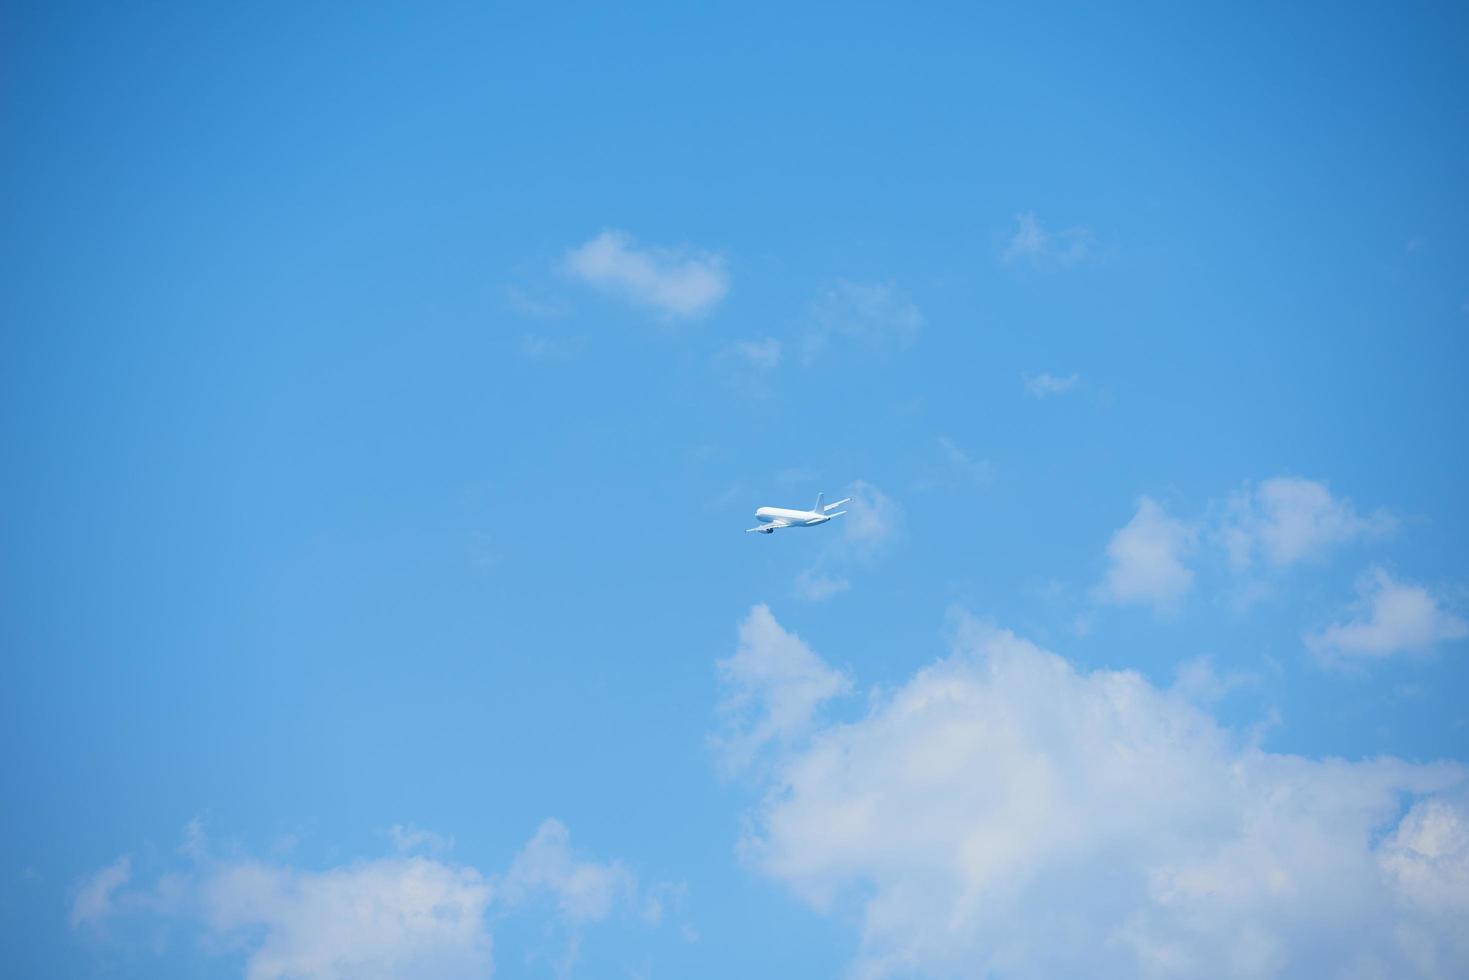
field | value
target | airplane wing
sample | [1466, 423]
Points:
[833, 506]
[768, 528]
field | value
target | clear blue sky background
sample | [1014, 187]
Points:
[332, 499]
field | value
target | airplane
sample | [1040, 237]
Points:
[771, 518]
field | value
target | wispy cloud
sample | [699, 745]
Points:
[1034, 246]
[676, 282]
[93, 901]
[1044, 385]
[1199, 681]
[1146, 559]
[408, 839]
[815, 586]
[540, 347]
[1390, 617]
[748, 365]
[875, 316]
[873, 522]
[521, 301]
[956, 469]
[763, 355]
[999, 791]
[584, 890]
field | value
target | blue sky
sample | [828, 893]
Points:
[384, 395]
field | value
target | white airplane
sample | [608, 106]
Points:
[771, 518]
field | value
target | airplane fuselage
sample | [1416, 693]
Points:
[773, 518]
[792, 518]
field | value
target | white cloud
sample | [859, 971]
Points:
[749, 364]
[404, 916]
[407, 839]
[771, 687]
[1146, 559]
[874, 315]
[1427, 856]
[585, 891]
[1287, 519]
[678, 282]
[958, 469]
[762, 355]
[394, 917]
[1391, 617]
[1035, 246]
[1198, 681]
[1003, 814]
[1044, 385]
[522, 302]
[543, 348]
[872, 520]
[93, 901]
[818, 587]
[196, 841]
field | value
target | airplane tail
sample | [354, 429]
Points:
[831, 507]
[817, 508]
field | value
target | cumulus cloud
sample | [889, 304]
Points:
[1287, 519]
[1003, 814]
[1034, 246]
[876, 316]
[1146, 559]
[403, 916]
[1390, 617]
[1427, 857]
[677, 282]
[1045, 384]
[771, 687]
